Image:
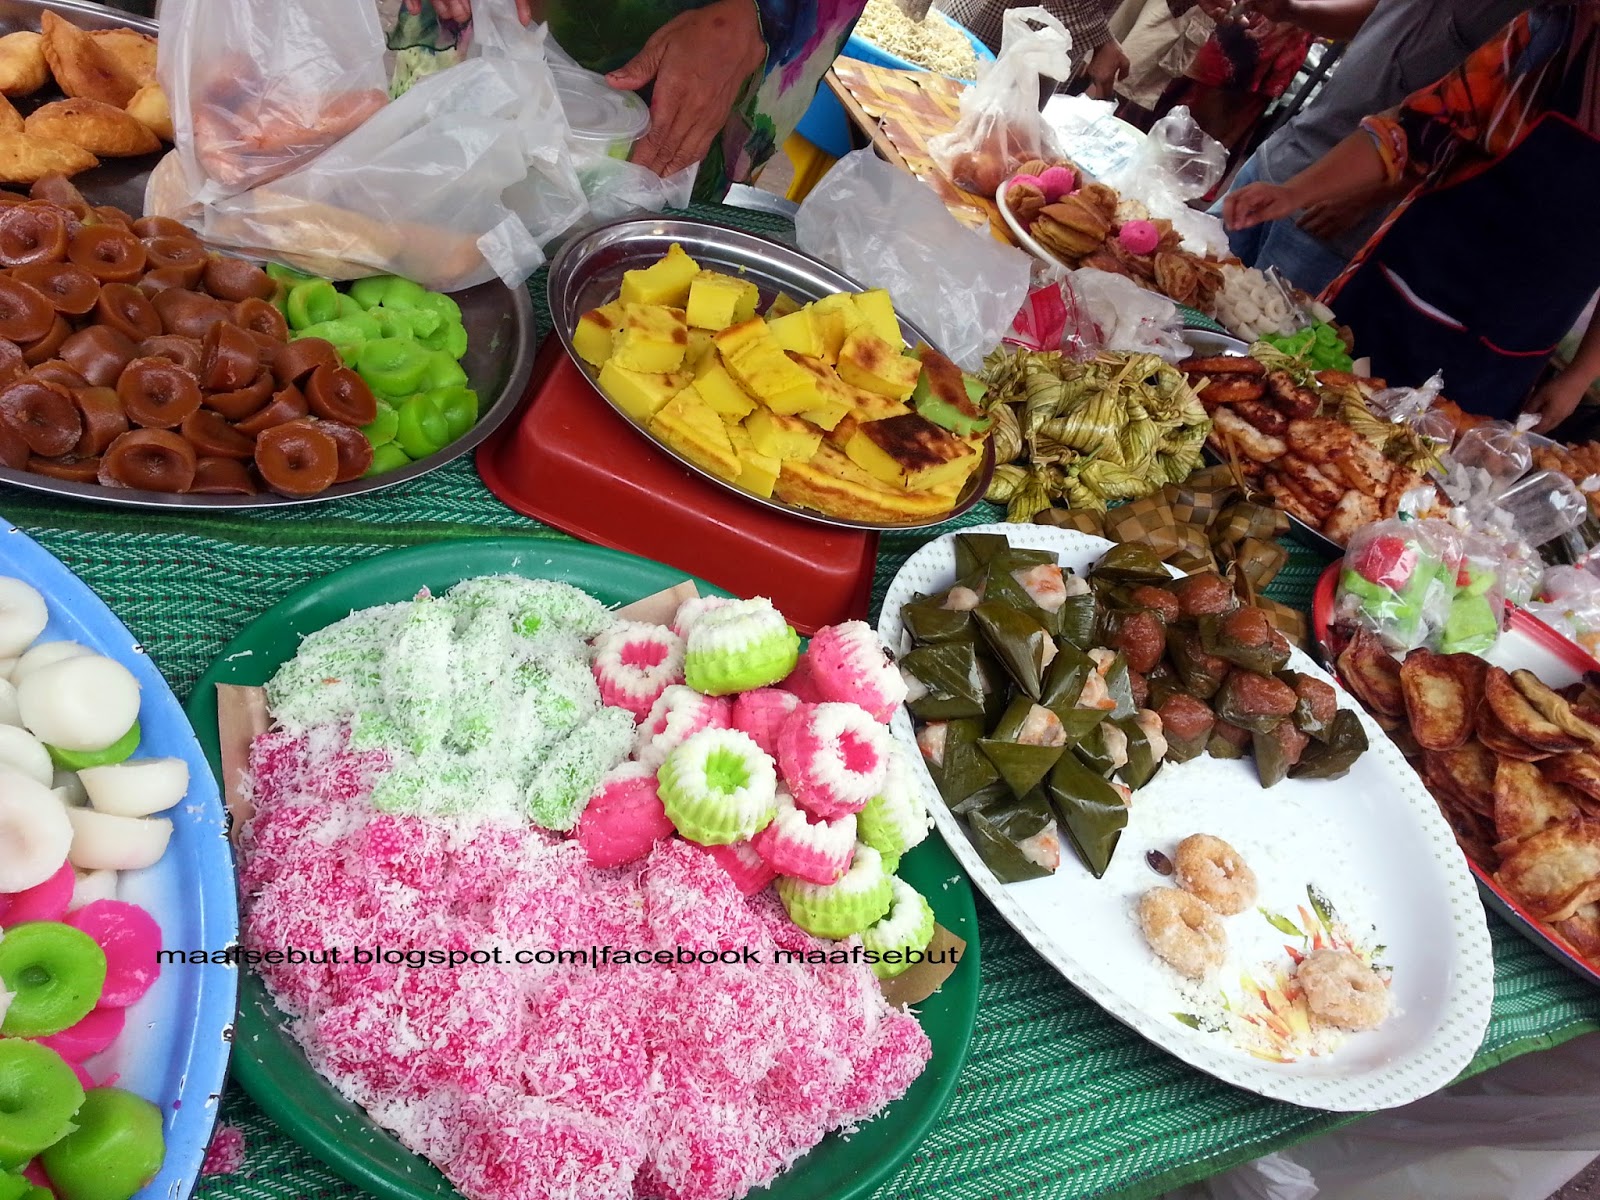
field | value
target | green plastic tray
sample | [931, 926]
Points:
[270, 1064]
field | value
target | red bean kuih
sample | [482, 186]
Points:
[297, 459]
[12, 364]
[187, 313]
[153, 227]
[54, 370]
[14, 452]
[57, 189]
[156, 393]
[257, 316]
[185, 257]
[297, 359]
[71, 469]
[42, 415]
[153, 460]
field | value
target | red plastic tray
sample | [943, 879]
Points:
[565, 458]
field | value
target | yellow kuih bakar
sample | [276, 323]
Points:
[818, 405]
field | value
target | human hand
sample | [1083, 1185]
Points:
[1256, 204]
[460, 11]
[1556, 399]
[700, 61]
[1330, 218]
[1106, 65]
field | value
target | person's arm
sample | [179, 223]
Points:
[1086, 22]
[1336, 20]
[1555, 400]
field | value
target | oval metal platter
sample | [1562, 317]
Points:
[588, 273]
[501, 334]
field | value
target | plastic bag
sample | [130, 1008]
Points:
[1000, 127]
[1129, 317]
[1400, 580]
[461, 180]
[881, 226]
[1544, 506]
[258, 89]
[1408, 404]
[1176, 163]
[1568, 600]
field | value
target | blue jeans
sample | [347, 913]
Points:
[1304, 261]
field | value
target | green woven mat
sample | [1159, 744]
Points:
[1057, 1099]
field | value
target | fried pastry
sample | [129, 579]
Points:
[10, 118]
[25, 158]
[149, 107]
[1176, 276]
[1025, 201]
[23, 69]
[132, 53]
[102, 129]
[81, 67]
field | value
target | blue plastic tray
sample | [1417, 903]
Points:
[174, 1050]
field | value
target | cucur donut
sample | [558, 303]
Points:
[157, 394]
[339, 394]
[42, 415]
[108, 252]
[71, 289]
[126, 309]
[32, 233]
[297, 459]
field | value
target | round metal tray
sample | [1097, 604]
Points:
[588, 273]
[501, 337]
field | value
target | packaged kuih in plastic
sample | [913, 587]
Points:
[1000, 127]
[1568, 600]
[1422, 583]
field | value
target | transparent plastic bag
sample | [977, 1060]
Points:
[256, 90]
[1130, 318]
[1408, 403]
[463, 179]
[883, 227]
[1176, 163]
[1477, 608]
[1000, 126]
[1568, 600]
[1400, 580]
[1544, 506]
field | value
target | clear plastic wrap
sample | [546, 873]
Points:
[1568, 600]
[463, 179]
[1407, 403]
[883, 227]
[999, 126]
[1400, 580]
[1130, 318]
[1544, 506]
[1177, 163]
[1498, 449]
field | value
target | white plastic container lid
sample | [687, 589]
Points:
[598, 112]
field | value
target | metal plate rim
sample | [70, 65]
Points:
[565, 274]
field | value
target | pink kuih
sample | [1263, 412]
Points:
[692, 609]
[761, 714]
[44, 902]
[798, 846]
[748, 870]
[89, 1036]
[832, 757]
[634, 663]
[677, 713]
[131, 940]
[847, 663]
[624, 818]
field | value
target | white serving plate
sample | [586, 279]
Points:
[1372, 842]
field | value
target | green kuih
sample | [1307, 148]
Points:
[422, 429]
[369, 292]
[443, 371]
[55, 974]
[964, 769]
[119, 751]
[1022, 765]
[949, 397]
[384, 425]
[460, 408]
[1142, 763]
[1336, 754]
[392, 323]
[954, 681]
[1018, 641]
[1089, 809]
[115, 1150]
[1015, 836]
[387, 457]
[312, 302]
[39, 1093]
[392, 366]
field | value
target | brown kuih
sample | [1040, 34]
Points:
[152, 460]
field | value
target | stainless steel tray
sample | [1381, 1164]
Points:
[588, 273]
[500, 323]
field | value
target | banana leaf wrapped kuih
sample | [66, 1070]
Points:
[1090, 810]
[1064, 693]
[1186, 723]
[1120, 686]
[935, 619]
[1335, 754]
[1103, 749]
[974, 550]
[1017, 838]
[1201, 673]
[958, 766]
[1079, 619]
[1316, 706]
[1130, 563]
[989, 793]
[1161, 685]
[945, 681]
[1034, 589]
[1145, 748]
[1277, 749]
[1255, 702]
[1246, 639]
[1025, 744]
[1020, 644]
[1227, 740]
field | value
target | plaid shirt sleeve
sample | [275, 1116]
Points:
[1085, 20]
